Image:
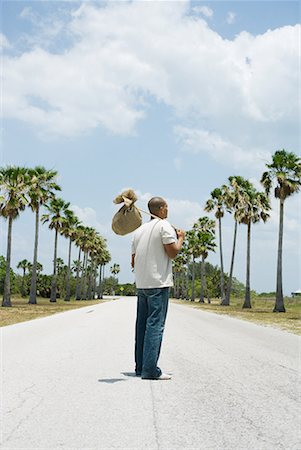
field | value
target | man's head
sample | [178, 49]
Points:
[158, 207]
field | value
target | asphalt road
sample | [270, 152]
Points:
[67, 383]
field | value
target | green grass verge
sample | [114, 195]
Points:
[21, 311]
[261, 312]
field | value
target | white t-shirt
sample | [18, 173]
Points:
[153, 267]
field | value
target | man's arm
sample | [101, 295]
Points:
[173, 249]
[133, 261]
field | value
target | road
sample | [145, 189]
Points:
[67, 383]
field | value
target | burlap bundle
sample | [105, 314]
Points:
[128, 218]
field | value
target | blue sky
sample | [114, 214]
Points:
[169, 98]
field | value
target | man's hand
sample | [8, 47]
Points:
[180, 234]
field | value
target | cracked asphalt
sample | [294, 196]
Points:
[67, 383]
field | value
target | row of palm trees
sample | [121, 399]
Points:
[22, 187]
[248, 206]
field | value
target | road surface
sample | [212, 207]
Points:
[67, 383]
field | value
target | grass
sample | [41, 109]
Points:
[261, 312]
[21, 311]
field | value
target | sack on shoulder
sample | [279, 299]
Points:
[126, 220]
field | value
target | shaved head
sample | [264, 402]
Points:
[155, 204]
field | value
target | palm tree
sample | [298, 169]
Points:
[41, 188]
[13, 185]
[85, 239]
[217, 203]
[96, 249]
[233, 195]
[24, 265]
[285, 172]
[105, 259]
[205, 232]
[193, 248]
[56, 217]
[253, 208]
[78, 235]
[115, 269]
[68, 230]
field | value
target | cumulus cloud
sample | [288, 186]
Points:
[105, 76]
[220, 149]
[88, 216]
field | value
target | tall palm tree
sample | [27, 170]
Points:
[285, 172]
[24, 265]
[205, 233]
[78, 235]
[68, 230]
[42, 187]
[217, 203]
[86, 240]
[13, 185]
[56, 217]
[105, 259]
[233, 196]
[253, 208]
[97, 246]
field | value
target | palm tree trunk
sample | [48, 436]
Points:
[99, 293]
[89, 294]
[229, 286]
[187, 281]
[183, 284]
[82, 279]
[193, 280]
[247, 302]
[67, 296]
[279, 304]
[6, 295]
[202, 279]
[94, 287]
[77, 290]
[23, 281]
[222, 261]
[54, 276]
[33, 283]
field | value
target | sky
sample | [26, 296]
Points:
[167, 98]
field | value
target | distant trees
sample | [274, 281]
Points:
[199, 241]
[247, 206]
[36, 187]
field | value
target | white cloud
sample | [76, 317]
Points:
[220, 149]
[205, 10]
[220, 91]
[231, 16]
[88, 216]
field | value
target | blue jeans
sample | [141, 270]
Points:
[152, 308]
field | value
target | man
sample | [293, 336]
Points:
[154, 245]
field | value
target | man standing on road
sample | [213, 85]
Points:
[154, 245]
